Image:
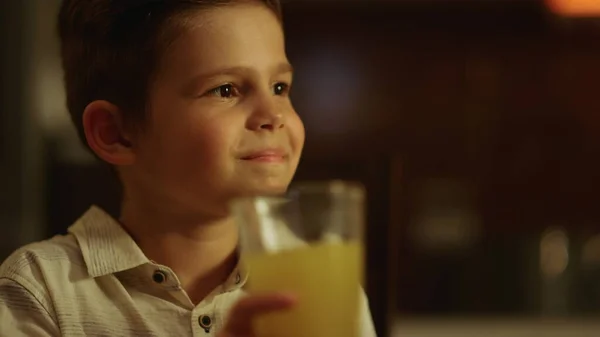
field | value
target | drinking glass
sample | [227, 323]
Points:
[310, 243]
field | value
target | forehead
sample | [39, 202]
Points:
[240, 35]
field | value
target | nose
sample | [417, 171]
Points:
[266, 116]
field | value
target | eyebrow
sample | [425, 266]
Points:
[281, 68]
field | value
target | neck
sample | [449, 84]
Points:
[200, 249]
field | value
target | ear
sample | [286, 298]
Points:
[105, 133]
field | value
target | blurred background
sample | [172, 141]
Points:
[475, 126]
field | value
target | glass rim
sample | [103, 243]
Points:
[345, 188]
[328, 186]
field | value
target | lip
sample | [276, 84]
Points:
[265, 156]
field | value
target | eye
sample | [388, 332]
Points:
[223, 91]
[281, 89]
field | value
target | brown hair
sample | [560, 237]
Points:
[111, 48]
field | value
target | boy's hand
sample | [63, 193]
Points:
[244, 312]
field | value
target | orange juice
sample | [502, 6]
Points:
[326, 278]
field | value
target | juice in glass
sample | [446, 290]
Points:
[325, 277]
[308, 243]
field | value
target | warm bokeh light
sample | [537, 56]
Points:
[580, 8]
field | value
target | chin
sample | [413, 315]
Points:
[266, 188]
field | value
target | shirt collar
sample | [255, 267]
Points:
[106, 247]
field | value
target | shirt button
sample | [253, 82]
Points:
[205, 322]
[159, 276]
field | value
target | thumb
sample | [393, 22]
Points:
[243, 313]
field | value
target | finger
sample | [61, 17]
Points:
[244, 312]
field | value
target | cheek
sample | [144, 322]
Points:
[210, 145]
[202, 148]
[297, 132]
[185, 151]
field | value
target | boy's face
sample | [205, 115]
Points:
[220, 121]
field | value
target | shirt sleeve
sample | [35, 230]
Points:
[22, 314]
[366, 320]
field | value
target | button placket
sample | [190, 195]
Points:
[205, 316]
[205, 322]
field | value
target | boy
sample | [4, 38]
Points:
[188, 101]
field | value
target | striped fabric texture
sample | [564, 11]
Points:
[96, 281]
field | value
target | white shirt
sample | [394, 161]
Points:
[96, 281]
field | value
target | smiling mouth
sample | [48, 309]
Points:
[266, 156]
[265, 159]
